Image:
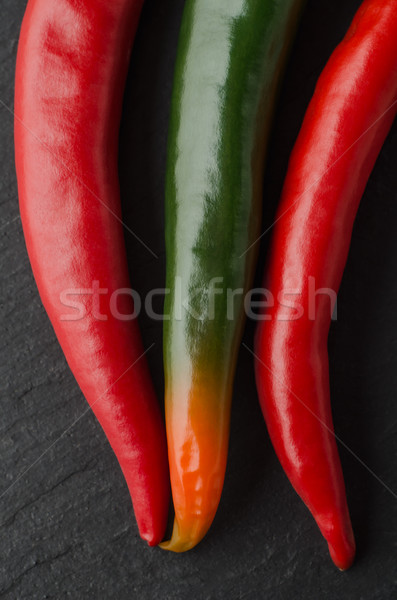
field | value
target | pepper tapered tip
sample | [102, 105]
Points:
[343, 557]
[184, 537]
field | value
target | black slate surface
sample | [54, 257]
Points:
[67, 528]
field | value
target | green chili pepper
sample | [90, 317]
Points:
[230, 58]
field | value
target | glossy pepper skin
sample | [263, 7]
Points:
[229, 61]
[71, 67]
[347, 120]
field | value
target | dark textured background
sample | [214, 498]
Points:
[67, 528]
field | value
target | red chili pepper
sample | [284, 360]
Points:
[71, 67]
[351, 112]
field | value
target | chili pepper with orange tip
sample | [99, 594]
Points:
[229, 63]
[348, 118]
[71, 67]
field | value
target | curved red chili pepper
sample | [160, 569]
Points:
[351, 112]
[71, 67]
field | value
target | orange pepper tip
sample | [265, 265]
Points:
[184, 537]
